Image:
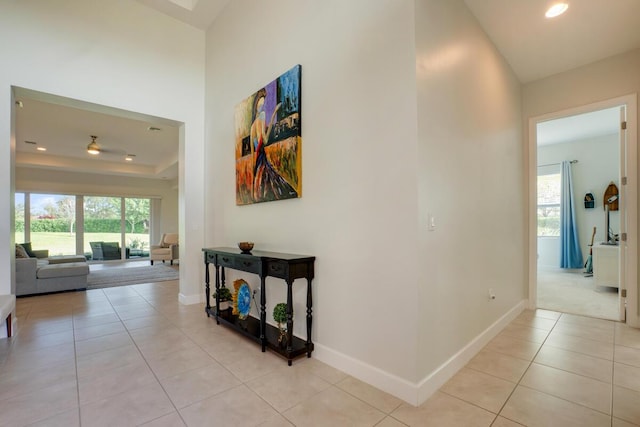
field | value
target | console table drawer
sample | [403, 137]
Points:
[226, 261]
[278, 269]
[249, 265]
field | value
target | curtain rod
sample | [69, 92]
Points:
[554, 164]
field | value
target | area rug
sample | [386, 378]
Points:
[110, 277]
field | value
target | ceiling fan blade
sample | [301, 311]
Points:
[113, 151]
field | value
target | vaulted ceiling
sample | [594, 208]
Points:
[534, 46]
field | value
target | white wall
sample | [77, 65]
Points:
[59, 182]
[471, 180]
[598, 165]
[391, 302]
[358, 211]
[614, 77]
[119, 54]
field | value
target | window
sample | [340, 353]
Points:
[549, 194]
[48, 221]
[52, 223]
[101, 221]
[20, 225]
[137, 215]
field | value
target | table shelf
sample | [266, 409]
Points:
[288, 267]
[250, 328]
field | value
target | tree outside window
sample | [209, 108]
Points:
[549, 194]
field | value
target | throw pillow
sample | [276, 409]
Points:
[21, 252]
[27, 248]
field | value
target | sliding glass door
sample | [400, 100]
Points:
[109, 228]
[52, 223]
[102, 224]
[137, 218]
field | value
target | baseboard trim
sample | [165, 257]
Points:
[415, 393]
[383, 380]
[190, 299]
[432, 382]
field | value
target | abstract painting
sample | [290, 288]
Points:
[269, 143]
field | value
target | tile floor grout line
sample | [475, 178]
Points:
[529, 365]
[141, 355]
[561, 398]
[75, 362]
[201, 348]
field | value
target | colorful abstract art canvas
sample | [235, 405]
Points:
[268, 142]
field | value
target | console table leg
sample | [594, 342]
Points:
[217, 289]
[309, 316]
[289, 318]
[207, 289]
[263, 313]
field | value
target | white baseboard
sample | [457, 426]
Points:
[415, 393]
[383, 380]
[190, 299]
[436, 379]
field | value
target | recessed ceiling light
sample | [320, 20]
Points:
[556, 10]
[129, 157]
[41, 148]
[31, 142]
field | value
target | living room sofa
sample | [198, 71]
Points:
[53, 274]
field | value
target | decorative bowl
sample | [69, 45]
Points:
[245, 246]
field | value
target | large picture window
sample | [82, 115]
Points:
[49, 221]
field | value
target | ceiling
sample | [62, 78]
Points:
[64, 127]
[579, 127]
[537, 47]
[198, 13]
[534, 46]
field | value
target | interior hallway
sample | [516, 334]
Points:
[134, 355]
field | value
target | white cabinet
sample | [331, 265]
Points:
[606, 264]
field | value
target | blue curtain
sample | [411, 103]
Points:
[570, 253]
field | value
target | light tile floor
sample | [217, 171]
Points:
[134, 356]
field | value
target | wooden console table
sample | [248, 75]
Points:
[283, 266]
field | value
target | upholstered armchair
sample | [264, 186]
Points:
[167, 249]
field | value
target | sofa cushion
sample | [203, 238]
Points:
[63, 270]
[27, 247]
[21, 252]
[61, 259]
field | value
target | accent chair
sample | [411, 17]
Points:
[167, 249]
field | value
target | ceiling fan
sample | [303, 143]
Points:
[94, 148]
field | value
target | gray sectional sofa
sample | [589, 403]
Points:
[53, 274]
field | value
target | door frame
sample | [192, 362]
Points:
[631, 267]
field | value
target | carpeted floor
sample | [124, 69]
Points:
[110, 277]
[571, 292]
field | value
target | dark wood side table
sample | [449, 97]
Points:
[283, 266]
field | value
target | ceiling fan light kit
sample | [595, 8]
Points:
[556, 10]
[93, 148]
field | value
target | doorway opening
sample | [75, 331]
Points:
[582, 205]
